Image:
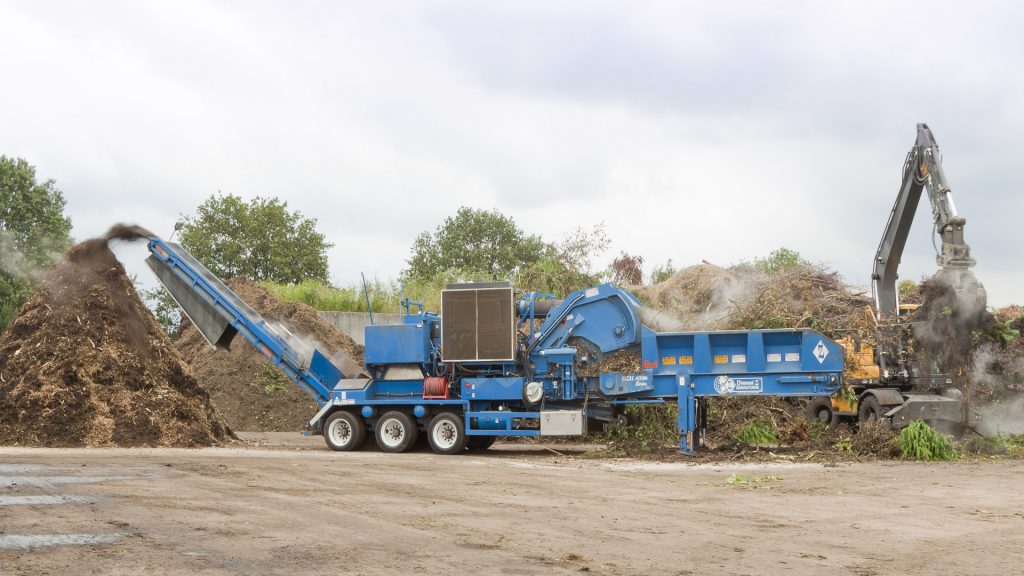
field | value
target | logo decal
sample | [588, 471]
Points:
[821, 351]
[726, 385]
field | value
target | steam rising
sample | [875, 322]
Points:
[14, 262]
[1003, 411]
[305, 344]
[701, 297]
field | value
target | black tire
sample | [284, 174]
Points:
[395, 432]
[446, 434]
[821, 410]
[479, 443]
[870, 410]
[344, 431]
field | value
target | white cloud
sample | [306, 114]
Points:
[694, 131]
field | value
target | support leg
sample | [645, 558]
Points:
[687, 418]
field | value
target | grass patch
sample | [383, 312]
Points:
[919, 441]
[758, 433]
[384, 296]
[740, 479]
[271, 379]
[843, 445]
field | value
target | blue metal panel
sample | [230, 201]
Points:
[742, 352]
[397, 344]
[755, 351]
[605, 316]
[324, 370]
[782, 351]
[498, 423]
[818, 353]
[728, 352]
[614, 383]
[493, 388]
[701, 352]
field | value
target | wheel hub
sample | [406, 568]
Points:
[340, 432]
[393, 432]
[445, 434]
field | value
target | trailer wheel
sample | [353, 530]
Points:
[395, 432]
[821, 409]
[344, 431]
[481, 442]
[870, 410]
[446, 434]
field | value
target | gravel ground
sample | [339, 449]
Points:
[282, 504]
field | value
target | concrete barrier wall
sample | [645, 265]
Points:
[352, 323]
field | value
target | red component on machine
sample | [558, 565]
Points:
[435, 388]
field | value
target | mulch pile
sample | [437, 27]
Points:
[247, 388]
[86, 364]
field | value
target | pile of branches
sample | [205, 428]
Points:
[806, 296]
[710, 297]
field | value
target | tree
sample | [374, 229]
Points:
[661, 273]
[164, 308]
[779, 260]
[564, 267]
[627, 270]
[261, 240]
[907, 289]
[34, 232]
[474, 243]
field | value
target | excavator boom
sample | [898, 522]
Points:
[923, 171]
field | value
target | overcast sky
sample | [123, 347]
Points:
[709, 130]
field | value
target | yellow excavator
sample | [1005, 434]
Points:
[886, 383]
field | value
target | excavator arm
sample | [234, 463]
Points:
[923, 171]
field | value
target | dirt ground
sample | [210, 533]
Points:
[282, 504]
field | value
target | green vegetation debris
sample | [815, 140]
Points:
[651, 426]
[743, 480]
[843, 445]
[758, 433]
[1000, 444]
[919, 441]
[271, 379]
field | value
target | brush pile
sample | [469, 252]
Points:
[247, 388]
[709, 297]
[982, 351]
[86, 364]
